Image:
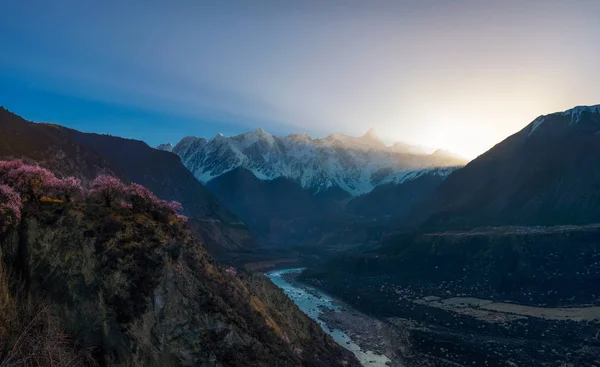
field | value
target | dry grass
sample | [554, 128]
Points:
[30, 335]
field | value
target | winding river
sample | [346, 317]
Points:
[312, 302]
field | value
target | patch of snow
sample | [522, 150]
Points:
[536, 123]
[576, 112]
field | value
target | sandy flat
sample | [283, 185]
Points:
[467, 305]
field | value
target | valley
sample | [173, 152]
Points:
[496, 296]
[392, 275]
[300, 183]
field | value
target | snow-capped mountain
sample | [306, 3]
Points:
[354, 164]
[166, 147]
[582, 117]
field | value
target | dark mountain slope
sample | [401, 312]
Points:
[70, 152]
[163, 173]
[51, 146]
[546, 173]
[278, 211]
[393, 200]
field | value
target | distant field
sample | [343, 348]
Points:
[491, 311]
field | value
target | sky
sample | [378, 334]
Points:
[459, 75]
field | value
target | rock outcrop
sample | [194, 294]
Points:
[139, 291]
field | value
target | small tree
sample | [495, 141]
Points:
[231, 271]
[65, 188]
[174, 206]
[10, 208]
[182, 218]
[108, 189]
[31, 181]
[7, 166]
[142, 199]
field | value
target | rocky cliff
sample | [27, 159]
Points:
[138, 291]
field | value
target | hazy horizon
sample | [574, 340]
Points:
[459, 76]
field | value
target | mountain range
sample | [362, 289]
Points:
[354, 164]
[295, 190]
[519, 226]
[519, 222]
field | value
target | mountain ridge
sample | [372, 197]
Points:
[538, 176]
[355, 164]
[85, 155]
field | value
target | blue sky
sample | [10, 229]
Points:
[459, 75]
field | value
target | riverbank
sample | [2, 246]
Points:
[371, 340]
[465, 331]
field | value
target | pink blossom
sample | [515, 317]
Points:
[7, 166]
[231, 271]
[10, 208]
[31, 181]
[143, 199]
[107, 188]
[65, 188]
[174, 206]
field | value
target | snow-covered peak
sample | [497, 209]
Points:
[576, 112]
[166, 147]
[354, 164]
[573, 116]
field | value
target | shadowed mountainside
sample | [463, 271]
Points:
[544, 174]
[70, 152]
[280, 211]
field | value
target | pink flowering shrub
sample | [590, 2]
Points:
[65, 188]
[174, 206]
[10, 208]
[182, 218]
[231, 271]
[32, 182]
[108, 189]
[7, 166]
[142, 199]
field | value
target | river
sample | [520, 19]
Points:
[315, 303]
